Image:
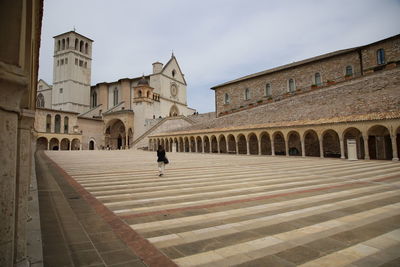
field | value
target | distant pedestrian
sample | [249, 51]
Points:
[161, 160]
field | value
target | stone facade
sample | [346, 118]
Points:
[331, 68]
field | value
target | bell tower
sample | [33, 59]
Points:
[72, 72]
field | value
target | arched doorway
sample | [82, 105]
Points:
[279, 144]
[115, 135]
[214, 144]
[75, 144]
[253, 144]
[231, 144]
[91, 145]
[379, 143]
[174, 111]
[265, 144]
[41, 143]
[331, 144]
[242, 144]
[311, 144]
[354, 133]
[294, 144]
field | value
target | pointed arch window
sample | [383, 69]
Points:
[40, 101]
[94, 99]
[115, 96]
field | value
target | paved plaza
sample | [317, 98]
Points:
[229, 210]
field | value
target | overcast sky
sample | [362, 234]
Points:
[213, 41]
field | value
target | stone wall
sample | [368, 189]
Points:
[391, 48]
[92, 129]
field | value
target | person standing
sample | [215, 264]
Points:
[161, 160]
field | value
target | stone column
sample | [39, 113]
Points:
[195, 146]
[202, 146]
[342, 156]
[126, 141]
[48, 144]
[70, 145]
[237, 148]
[321, 148]
[80, 146]
[287, 147]
[366, 148]
[272, 147]
[259, 147]
[248, 146]
[303, 148]
[218, 148]
[394, 148]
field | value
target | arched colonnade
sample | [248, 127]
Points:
[373, 141]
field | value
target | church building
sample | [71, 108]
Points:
[72, 114]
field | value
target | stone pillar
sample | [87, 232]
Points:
[203, 146]
[237, 148]
[272, 147]
[70, 145]
[321, 148]
[48, 144]
[366, 148]
[59, 145]
[342, 156]
[303, 148]
[126, 141]
[195, 146]
[287, 147]
[80, 145]
[218, 148]
[248, 146]
[394, 148]
[259, 146]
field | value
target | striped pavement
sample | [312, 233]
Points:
[237, 210]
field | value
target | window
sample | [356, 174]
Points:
[85, 65]
[80, 63]
[173, 73]
[115, 96]
[61, 90]
[62, 61]
[140, 93]
[65, 124]
[58, 63]
[247, 94]
[81, 46]
[48, 123]
[58, 45]
[40, 87]
[76, 44]
[94, 99]
[67, 42]
[317, 79]
[292, 86]
[76, 61]
[349, 71]
[226, 99]
[63, 44]
[86, 48]
[57, 123]
[40, 101]
[268, 89]
[66, 61]
[380, 56]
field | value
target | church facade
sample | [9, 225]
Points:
[72, 114]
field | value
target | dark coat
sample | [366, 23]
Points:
[160, 155]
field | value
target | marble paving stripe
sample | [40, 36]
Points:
[231, 213]
[237, 227]
[139, 245]
[362, 250]
[273, 244]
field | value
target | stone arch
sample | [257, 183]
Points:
[222, 144]
[54, 144]
[294, 143]
[214, 144]
[379, 143]
[242, 144]
[186, 144]
[331, 144]
[174, 111]
[75, 144]
[253, 143]
[311, 144]
[115, 134]
[42, 143]
[92, 144]
[199, 143]
[181, 145]
[192, 144]
[231, 144]
[354, 133]
[171, 143]
[265, 140]
[176, 144]
[162, 143]
[40, 101]
[397, 134]
[206, 144]
[64, 145]
[279, 143]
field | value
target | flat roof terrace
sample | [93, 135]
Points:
[228, 210]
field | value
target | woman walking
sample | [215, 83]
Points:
[161, 159]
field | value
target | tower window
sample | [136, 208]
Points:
[76, 61]
[94, 99]
[291, 85]
[380, 56]
[61, 90]
[62, 61]
[66, 60]
[76, 44]
[173, 73]
[86, 48]
[115, 96]
[63, 44]
[85, 65]
[80, 63]
[268, 89]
